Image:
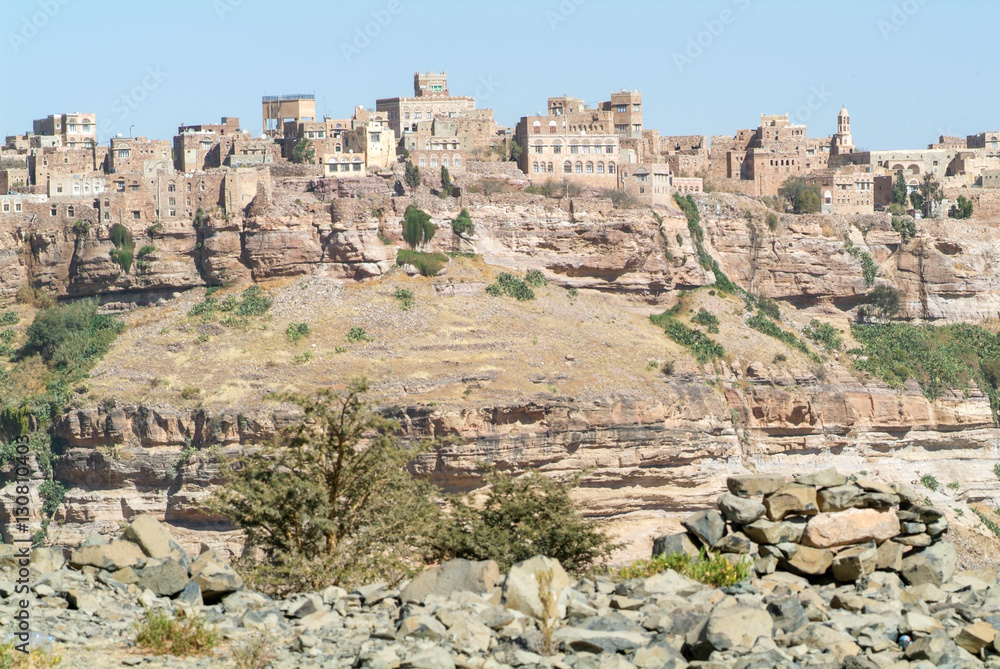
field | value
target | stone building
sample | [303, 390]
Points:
[626, 112]
[583, 158]
[73, 130]
[139, 154]
[345, 146]
[196, 147]
[845, 192]
[431, 99]
[276, 110]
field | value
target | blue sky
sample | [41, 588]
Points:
[908, 70]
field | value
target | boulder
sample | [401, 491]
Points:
[421, 626]
[809, 561]
[453, 576]
[826, 478]
[914, 540]
[890, 556]
[934, 564]
[851, 564]
[112, 556]
[852, 526]
[737, 627]
[837, 498]
[191, 594]
[740, 510]
[708, 526]
[596, 641]
[164, 577]
[735, 542]
[215, 578]
[791, 499]
[787, 614]
[976, 637]
[154, 539]
[83, 600]
[671, 544]
[523, 584]
[764, 531]
[749, 485]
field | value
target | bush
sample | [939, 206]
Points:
[772, 221]
[701, 346]
[996, 470]
[961, 209]
[446, 187]
[930, 482]
[295, 332]
[884, 300]
[147, 249]
[711, 568]
[535, 278]
[805, 197]
[333, 513]
[824, 333]
[707, 320]
[417, 227]
[356, 334]
[9, 317]
[906, 227]
[463, 225]
[162, 634]
[763, 324]
[302, 358]
[190, 392]
[37, 658]
[123, 252]
[523, 517]
[510, 285]
[303, 151]
[412, 175]
[52, 494]
[869, 269]
[69, 336]
[255, 302]
[429, 264]
[405, 298]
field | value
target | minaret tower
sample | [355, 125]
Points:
[842, 141]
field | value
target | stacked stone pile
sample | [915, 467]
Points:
[820, 525]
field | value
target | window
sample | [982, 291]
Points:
[17, 206]
[134, 188]
[574, 149]
[423, 161]
[635, 106]
[586, 149]
[609, 149]
[458, 161]
[406, 116]
[172, 201]
[568, 167]
[189, 188]
[172, 212]
[171, 188]
[76, 189]
[418, 115]
[70, 211]
[123, 153]
[534, 168]
[621, 109]
[556, 149]
[578, 168]
[136, 215]
[6, 207]
[539, 150]
[52, 210]
[611, 168]
[434, 160]
[444, 161]
[590, 167]
[600, 168]
[357, 167]
[58, 189]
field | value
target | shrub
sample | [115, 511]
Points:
[711, 568]
[869, 269]
[36, 658]
[162, 634]
[906, 227]
[190, 392]
[147, 249]
[523, 517]
[805, 197]
[9, 317]
[7, 336]
[255, 302]
[535, 278]
[884, 300]
[417, 227]
[824, 333]
[405, 298]
[772, 221]
[996, 470]
[356, 334]
[707, 320]
[303, 151]
[52, 494]
[295, 332]
[463, 225]
[511, 285]
[494, 290]
[302, 358]
[332, 513]
[769, 307]
[123, 252]
[446, 187]
[667, 368]
[701, 346]
[429, 264]
[961, 209]
[81, 226]
[255, 652]
[929, 482]
[412, 175]
[70, 335]
[765, 325]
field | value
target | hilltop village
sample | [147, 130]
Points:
[59, 171]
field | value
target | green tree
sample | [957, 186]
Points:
[916, 200]
[805, 197]
[446, 187]
[931, 192]
[523, 517]
[884, 300]
[515, 151]
[463, 225]
[330, 501]
[961, 209]
[303, 151]
[67, 336]
[900, 189]
[417, 227]
[412, 175]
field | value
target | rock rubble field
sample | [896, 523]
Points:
[842, 573]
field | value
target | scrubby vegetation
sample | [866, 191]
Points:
[417, 227]
[690, 209]
[905, 226]
[825, 334]
[405, 298]
[163, 634]
[869, 269]
[765, 325]
[522, 517]
[124, 251]
[711, 568]
[805, 197]
[508, 284]
[701, 345]
[429, 264]
[296, 332]
[707, 320]
[252, 302]
[356, 334]
[463, 225]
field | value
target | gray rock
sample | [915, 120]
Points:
[154, 539]
[740, 510]
[164, 578]
[46, 560]
[765, 531]
[737, 627]
[595, 641]
[453, 576]
[915, 540]
[522, 587]
[215, 578]
[890, 556]
[112, 556]
[852, 563]
[736, 542]
[83, 600]
[671, 544]
[191, 594]
[707, 525]
[837, 498]
[937, 527]
[826, 478]
[787, 614]
[429, 658]
[934, 564]
[749, 485]
[421, 627]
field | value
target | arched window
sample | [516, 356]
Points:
[611, 168]
[458, 160]
[537, 125]
[550, 168]
[590, 168]
[423, 161]
[568, 167]
[600, 168]
[534, 167]
[434, 160]
[445, 162]
[578, 168]
[552, 127]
